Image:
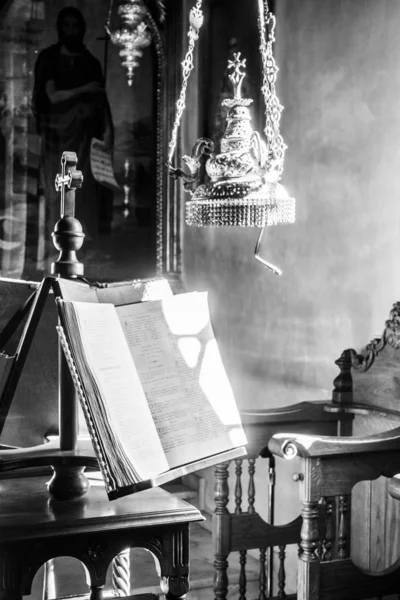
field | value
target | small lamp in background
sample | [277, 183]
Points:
[133, 33]
[243, 186]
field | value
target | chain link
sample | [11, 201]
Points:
[273, 108]
[196, 18]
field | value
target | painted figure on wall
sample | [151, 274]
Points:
[71, 107]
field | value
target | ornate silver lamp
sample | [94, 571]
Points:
[243, 186]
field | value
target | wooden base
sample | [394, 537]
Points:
[48, 454]
[34, 530]
[68, 481]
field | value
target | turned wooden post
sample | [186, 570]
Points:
[308, 562]
[308, 573]
[343, 384]
[221, 519]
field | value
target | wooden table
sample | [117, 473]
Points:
[35, 529]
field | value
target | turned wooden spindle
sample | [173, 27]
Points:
[329, 532]
[343, 550]
[238, 486]
[281, 572]
[262, 578]
[309, 531]
[221, 490]
[242, 574]
[252, 487]
[221, 499]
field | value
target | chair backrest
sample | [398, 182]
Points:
[369, 382]
[372, 378]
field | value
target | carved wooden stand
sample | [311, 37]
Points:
[35, 529]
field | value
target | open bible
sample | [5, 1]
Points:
[154, 392]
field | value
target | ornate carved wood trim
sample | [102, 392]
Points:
[390, 336]
[350, 359]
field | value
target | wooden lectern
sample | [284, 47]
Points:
[34, 528]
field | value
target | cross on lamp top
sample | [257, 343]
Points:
[237, 75]
[70, 178]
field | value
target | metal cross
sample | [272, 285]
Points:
[71, 179]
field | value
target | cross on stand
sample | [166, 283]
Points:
[68, 235]
[70, 178]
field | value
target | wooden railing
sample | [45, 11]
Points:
[242, 530]
[239, 527]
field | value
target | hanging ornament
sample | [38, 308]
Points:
[242, 187]
[133, 34]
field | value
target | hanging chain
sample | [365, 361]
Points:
[109, 13]
[195, 22]
[273, 108]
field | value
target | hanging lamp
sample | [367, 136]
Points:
[133, 34]
[242, 187]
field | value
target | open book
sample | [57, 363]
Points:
[156, 398]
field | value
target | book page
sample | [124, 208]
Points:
[180, 367]
[109, 359]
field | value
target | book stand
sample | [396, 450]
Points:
[68, 455]
[34, 530]
[67, 459]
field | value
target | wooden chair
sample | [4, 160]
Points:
[367, 389]
[243, 529]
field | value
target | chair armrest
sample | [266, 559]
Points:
[302, 411]
[304, 417]
[394, 487]
[290, 445]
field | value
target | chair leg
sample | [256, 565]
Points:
[221, 525]
[121, 574]
[49, 581]
[221, 577]
[308, 563]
